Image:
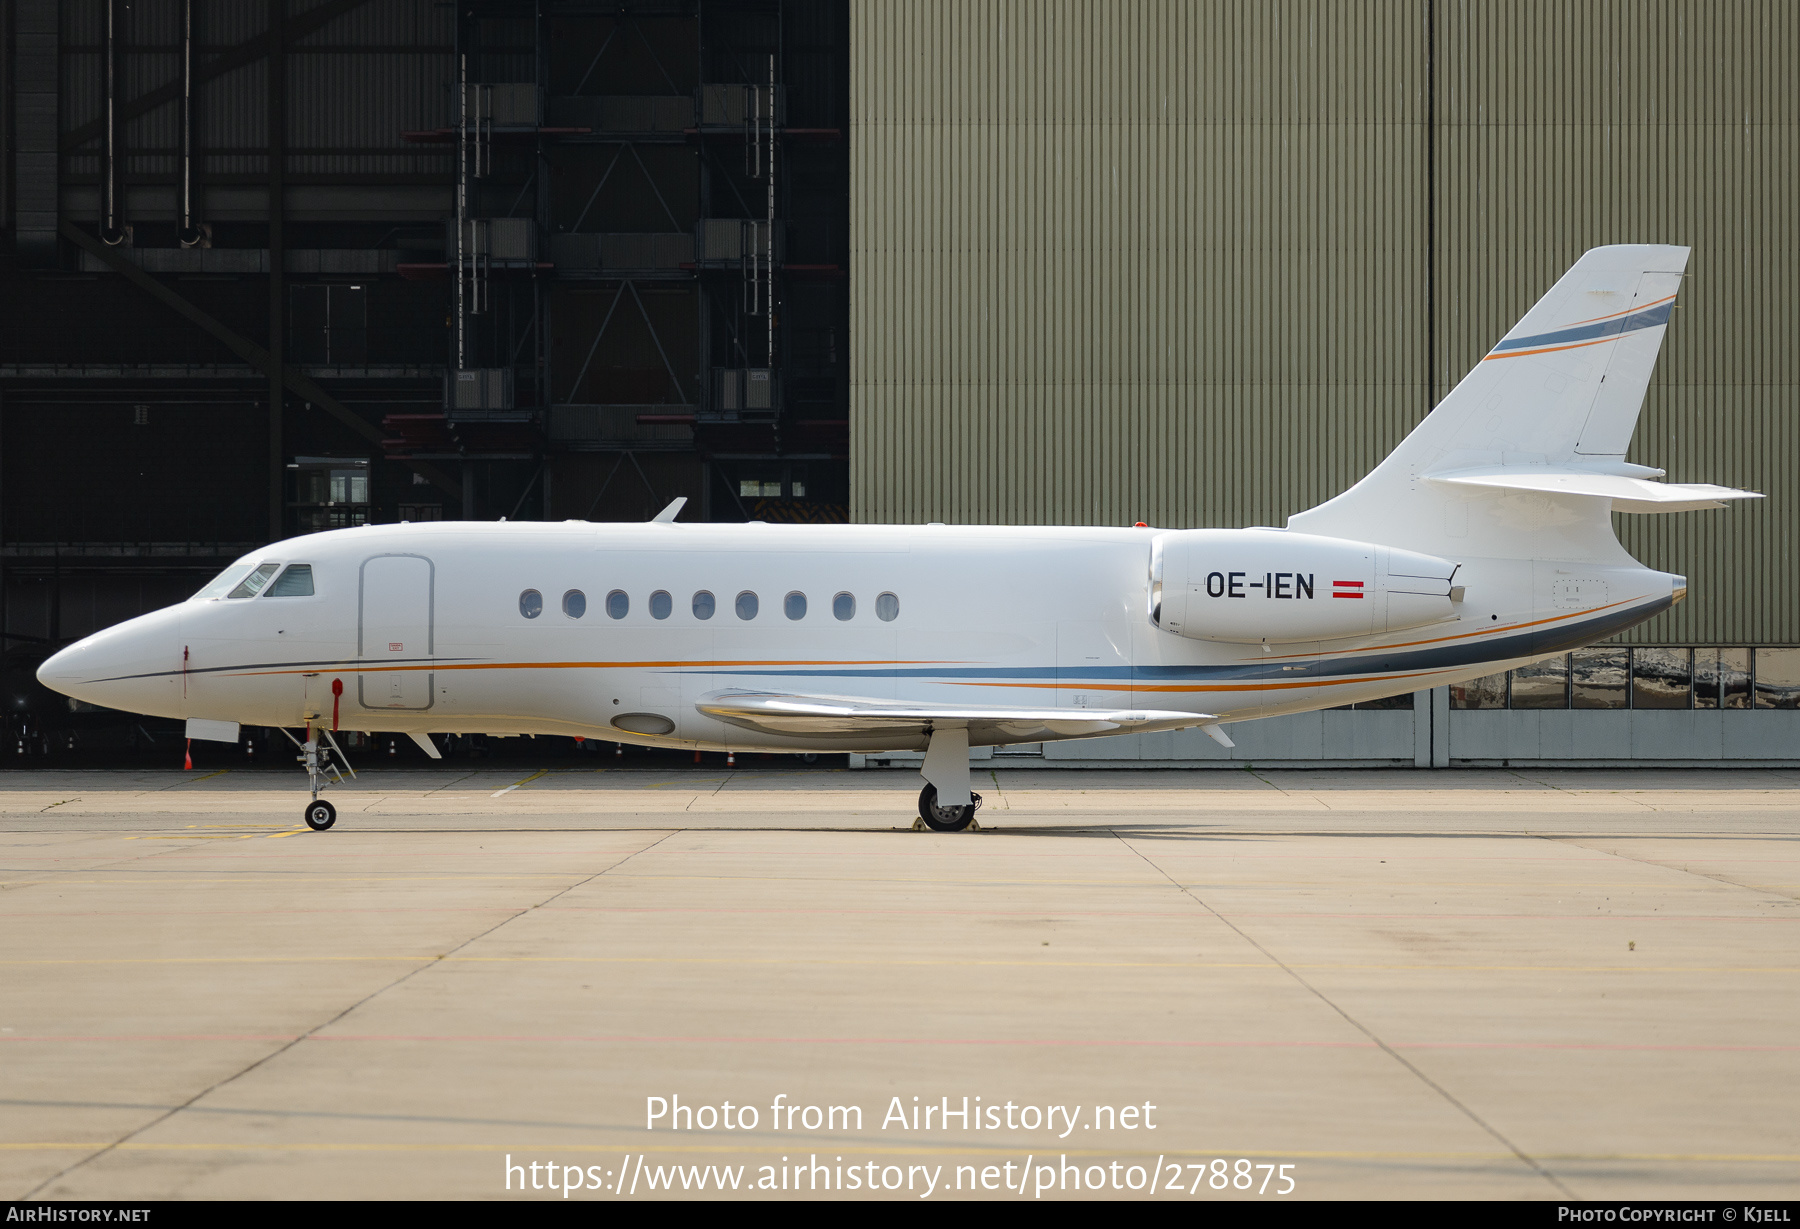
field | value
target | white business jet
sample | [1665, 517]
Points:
[1484, 542]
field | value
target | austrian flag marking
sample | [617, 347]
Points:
[1346, 588]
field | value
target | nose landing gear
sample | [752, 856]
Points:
[319, 761]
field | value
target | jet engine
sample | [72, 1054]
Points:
[1270, 586]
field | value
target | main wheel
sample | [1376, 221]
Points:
[320, 815]
[946, 819]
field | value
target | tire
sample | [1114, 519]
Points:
[320, 815]
[946, 819]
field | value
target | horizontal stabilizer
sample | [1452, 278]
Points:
[802, 715]
[1628, 494]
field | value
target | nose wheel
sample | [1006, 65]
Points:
[320, 815]
[946, 819]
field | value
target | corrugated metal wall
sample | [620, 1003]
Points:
[1180, 262]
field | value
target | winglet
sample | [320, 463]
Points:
[1216, 732]
[427, 746]
[667, 515]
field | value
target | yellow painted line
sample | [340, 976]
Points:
[516, 784]
[237, 827]
[198, 836]
[724, 1149]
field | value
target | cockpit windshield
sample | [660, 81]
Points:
[225, 581]
[253, 583]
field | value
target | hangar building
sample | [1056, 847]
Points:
[279, 265]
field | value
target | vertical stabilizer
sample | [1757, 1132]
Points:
[1562, 389]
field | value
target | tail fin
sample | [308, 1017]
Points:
[1543, 421]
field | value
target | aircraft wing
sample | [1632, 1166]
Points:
[803, 715]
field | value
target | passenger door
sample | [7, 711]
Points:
[394, 640]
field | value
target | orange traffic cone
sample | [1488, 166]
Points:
[187, 760]
[731, 759]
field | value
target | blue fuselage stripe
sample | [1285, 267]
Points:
[1648, 318]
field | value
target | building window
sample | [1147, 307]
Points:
[574, 603]
[1662, 678]
[661, 604]
[295, 582]
[887, 607]
[1489, 691]
[617, 604]
[843, 607]
[531, 603]
[330, 493]
[794, 605]
[1544, 684]
[704, 605]
[746, 605]
[1721, 678]
[1599, 678]
[1778, 678]
[1644, 678]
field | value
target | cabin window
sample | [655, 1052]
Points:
[574, 603]
[661, 604]
[887, 607]
[253, 583]
[843, 607]
[794, 605]
[531, 603]
[617, 604]
[746, 605]
[704, 605]
[295, 582]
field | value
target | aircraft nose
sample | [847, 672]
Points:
[134, 666]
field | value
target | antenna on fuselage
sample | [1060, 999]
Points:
[667, 515]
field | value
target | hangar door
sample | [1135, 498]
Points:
[394, 632]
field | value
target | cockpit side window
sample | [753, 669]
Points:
[253, 583]
[225, 581]
[295, 582]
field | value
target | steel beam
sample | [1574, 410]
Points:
[247, 52]
[296, 383]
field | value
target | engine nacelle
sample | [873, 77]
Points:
[1270, 586]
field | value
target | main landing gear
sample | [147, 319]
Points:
[946, 819]
[320, 761]
[946, 772]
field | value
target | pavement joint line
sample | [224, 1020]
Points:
[1366, 1031]
[132, 1135]
[194, 780]
[1686, 868]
